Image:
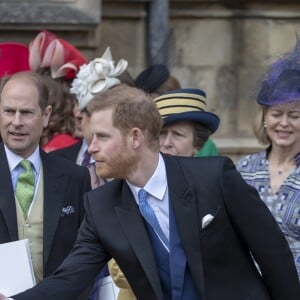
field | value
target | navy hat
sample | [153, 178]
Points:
[152, 78]
[186, 105]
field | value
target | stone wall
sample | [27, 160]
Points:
[222, 47]
[21, 20]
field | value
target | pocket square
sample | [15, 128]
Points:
[68, 210]
[206, 220]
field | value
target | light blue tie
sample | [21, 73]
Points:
[150, 216]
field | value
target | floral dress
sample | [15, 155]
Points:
[285, 204]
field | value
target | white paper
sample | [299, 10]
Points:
[16, 271]
[108, 290]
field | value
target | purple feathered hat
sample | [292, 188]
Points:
[282, 83]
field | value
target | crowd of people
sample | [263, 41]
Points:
[126, 180]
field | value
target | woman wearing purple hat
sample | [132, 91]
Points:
[275, 171]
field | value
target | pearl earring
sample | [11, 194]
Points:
[265, 124]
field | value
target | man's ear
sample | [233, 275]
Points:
[46, 115]
[136, 137]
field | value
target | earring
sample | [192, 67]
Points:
[265, 124]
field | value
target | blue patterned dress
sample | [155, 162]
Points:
[285, 204]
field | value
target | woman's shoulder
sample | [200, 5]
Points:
[250, 160]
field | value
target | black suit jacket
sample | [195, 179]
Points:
[70, 152]
[219, 255]
[64, 185]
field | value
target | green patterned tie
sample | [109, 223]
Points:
[25, 187]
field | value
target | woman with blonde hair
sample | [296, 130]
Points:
[275, 171]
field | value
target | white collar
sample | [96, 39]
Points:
[14, 159]
[157, 184]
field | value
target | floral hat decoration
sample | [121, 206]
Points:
[63, 59]
[97, 76]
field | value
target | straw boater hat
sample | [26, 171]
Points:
[186, 105]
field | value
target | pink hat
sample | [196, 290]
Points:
[13, 58]
[63, 59]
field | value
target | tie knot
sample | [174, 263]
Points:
[25, 164]
[142, 194]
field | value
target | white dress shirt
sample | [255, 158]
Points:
[158, 199]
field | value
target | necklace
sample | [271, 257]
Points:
[281, 168]
[285, 170]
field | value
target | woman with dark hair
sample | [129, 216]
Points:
[186, 124]
[157, 80]
[58, 62]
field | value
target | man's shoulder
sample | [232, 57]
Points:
[71, 148]
[69, 152]
[112, 189]
[194, 168]
[202, 161]
[62, 163]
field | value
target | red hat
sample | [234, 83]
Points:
[63, 59]
[13, 58]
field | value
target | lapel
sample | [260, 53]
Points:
[55, 183]
[7, 198]
[185, 207]
[177, 258]
[132, 223]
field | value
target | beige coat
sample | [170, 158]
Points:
[120, 280]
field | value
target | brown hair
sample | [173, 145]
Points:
[201, 135]
[34, 78]
[170, 84]
[62, 102]
[126, 78]
[132, 107]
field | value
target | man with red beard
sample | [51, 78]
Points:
[175, 232]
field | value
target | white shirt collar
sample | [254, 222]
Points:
[156, 185]
[14, 159]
